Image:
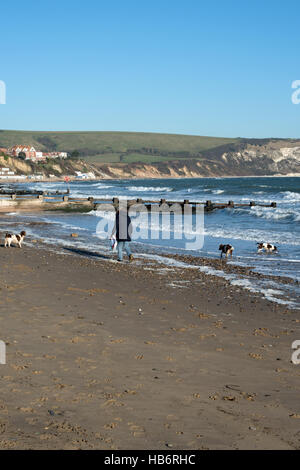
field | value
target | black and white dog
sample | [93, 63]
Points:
[268, 247]
[226, 250]
[11, 238]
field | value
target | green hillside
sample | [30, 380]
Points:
[123, 147]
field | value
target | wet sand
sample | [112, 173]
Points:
[104, 355]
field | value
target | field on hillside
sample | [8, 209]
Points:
[116, 146]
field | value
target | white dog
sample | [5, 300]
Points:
[268, 247]
[11, 238]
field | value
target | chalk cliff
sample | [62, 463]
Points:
[245, 157]
[242, 159]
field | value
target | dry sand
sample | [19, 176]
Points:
[103, 355]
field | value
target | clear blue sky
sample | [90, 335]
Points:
[221, 68]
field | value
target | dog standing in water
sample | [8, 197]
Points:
[17, 239]
[226, 250]
[268, 247]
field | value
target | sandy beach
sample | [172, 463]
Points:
[103, 355]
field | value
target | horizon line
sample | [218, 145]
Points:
[153, 132]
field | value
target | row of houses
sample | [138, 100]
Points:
[28, 152]
[7, 173]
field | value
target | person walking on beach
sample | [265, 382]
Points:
[123, 231]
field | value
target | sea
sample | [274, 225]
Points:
[242, 227]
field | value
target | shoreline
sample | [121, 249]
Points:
[103, 355]
[279, 288]
[98, 179]
[190, 266]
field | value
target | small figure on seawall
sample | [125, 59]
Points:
[226, 250]
[12, 238]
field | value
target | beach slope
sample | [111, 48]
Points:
[102, 355]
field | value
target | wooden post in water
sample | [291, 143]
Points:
[208, 206]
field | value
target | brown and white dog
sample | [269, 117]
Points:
[11, 238]
[268, 247]
[226, 250]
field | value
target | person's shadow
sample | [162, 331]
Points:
[82, 252]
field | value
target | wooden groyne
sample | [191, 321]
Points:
[30, 192]
[65, 201]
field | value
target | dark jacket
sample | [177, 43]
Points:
[123, 227]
